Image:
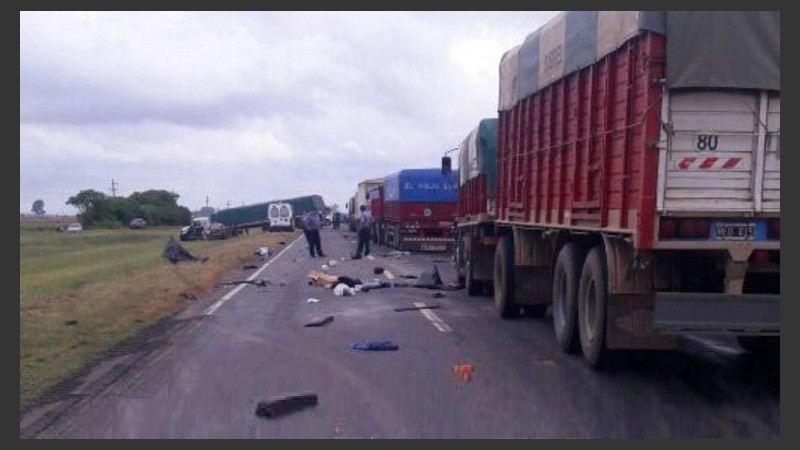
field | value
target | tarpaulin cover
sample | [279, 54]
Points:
[478, 154]
[732, 49]
[727, 49]
[422, 185]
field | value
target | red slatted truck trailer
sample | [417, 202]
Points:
[637, 181]
[375, 196]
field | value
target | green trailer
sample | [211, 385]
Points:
[256, 215]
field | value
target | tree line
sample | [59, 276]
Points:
[157, 207]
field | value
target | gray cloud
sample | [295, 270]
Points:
[249, 106]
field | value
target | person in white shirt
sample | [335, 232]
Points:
[364, 231]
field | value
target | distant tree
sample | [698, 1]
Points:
[86, 200]
[157, 207]
[38, 208]
[155, 197]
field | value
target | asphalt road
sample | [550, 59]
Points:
[204, 376]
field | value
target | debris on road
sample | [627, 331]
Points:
[396, 254]
[285, 405]
[249, 267]
[464, 371]
[438, 295]
[332, 263]
[322, 279]
[282, 243]
[313, 300]
[71, 322]
[342, 290]
[409, 277]
[351, 282]
[262, 283]
[325, 267]
[188, 296]
[375, 346]
[416, 308]
[370, 257]
[263, 251]
[382, 285]
[283, 283]
[378, 270]
[175, 253]
[430, 278]
[318, 322]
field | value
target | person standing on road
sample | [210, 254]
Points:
[311, 225]
[364, 232]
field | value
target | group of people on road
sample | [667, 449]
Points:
[311, 225]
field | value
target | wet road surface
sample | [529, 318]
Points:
[204, 378]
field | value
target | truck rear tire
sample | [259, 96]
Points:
[474, 287]
[459, 258]
[593, 307]
[504, 279]
[566, 274]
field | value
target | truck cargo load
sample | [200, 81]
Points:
[638, 180]
[477, 169]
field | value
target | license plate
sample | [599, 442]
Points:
[734, 231]
[432, 248]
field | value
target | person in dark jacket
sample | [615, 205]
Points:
[311, 224]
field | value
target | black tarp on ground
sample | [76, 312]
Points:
[175, 253]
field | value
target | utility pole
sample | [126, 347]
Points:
[228, 204]
[113, 188]
[206, 201]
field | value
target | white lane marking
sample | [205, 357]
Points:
[435, 320]
[388, 274]
[210, 310]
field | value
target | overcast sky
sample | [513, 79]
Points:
[249, 107]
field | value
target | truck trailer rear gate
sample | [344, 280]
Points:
[638, 179]
[419, 210]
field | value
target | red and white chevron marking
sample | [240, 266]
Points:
[708, 163]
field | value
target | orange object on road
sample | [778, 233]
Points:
[464, 371]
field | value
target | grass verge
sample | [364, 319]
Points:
[81, 294]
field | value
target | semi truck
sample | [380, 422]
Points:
[419, 210]
[635, 186]
[361, 197]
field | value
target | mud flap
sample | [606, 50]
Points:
[630, 324]
[744, 314]
[532, 286]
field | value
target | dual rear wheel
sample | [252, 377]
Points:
[580, 302]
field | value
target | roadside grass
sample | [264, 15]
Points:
[113, 283]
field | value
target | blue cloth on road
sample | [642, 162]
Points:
[375, 346]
